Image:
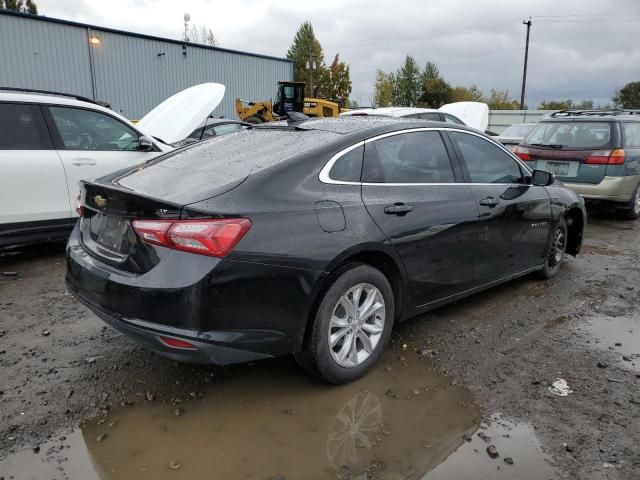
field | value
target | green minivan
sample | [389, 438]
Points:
[595, 153]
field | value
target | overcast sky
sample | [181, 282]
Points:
[580, 49]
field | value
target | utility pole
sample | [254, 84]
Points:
[526, 58]
[311, 66]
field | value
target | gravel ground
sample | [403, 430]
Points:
[59, 364]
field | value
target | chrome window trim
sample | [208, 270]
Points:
[324, 176]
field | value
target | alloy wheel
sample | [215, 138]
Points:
[636, 201]
[558, 246]
[356, 325]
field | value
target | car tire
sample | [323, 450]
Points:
[556, 250]
[632, 212]
[349, 355]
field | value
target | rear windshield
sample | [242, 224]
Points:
[519, 131]
[631, 134]
[225, 160]
[570, 135]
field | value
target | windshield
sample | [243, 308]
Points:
[570, 135]
[518, 130]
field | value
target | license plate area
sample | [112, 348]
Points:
[110, 232]
[560, 168]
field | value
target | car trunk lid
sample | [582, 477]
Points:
[106, 225]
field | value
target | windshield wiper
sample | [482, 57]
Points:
[549, 145]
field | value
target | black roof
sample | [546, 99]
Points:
[369, 125]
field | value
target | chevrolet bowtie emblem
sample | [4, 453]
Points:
[100, 201]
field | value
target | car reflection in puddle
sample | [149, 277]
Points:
[400, 421]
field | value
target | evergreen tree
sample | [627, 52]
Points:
[408, 83]
[305, 50]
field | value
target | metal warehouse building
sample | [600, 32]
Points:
[132, 72]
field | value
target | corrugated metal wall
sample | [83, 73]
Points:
[133, 73]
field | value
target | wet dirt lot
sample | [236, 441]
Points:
[78, 400]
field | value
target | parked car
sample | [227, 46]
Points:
[514, 134]
[475, 114]
[405, 112]
[212, 127]
[595, 153]
[312, 239]
[50, 141]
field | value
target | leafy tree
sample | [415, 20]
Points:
[306, 48]
[383, 96]
[566, 105]
[499, 100]
[201, 35]
[628, 96]
[334, 82]
[408, 83]
[471, 94]
[351, 104]
[31, 7]
[556, 105]
[14, 5]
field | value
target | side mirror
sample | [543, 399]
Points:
[541, 178]
[145, 144]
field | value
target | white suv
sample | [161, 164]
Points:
[49, 142]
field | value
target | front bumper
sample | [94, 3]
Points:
[610, 189]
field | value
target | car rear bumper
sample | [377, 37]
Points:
[611, 189]
[230, 311]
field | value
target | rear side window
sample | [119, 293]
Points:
[348, 167]
[22, 128]
[226, 128]
[486, 162]
[417, 157]
[452, 119]
[427, 116]
[570, 135]
[88, 130]
[631, 134]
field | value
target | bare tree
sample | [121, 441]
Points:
[200, 34]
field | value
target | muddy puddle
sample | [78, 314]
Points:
[618, 335]
[399, 422]
[520, 456]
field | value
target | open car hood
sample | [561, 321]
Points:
[179, 115]
[474, 114]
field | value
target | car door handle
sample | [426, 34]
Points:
[398, 209]
[489, 202]
[78, 162]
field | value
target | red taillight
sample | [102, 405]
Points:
[213, 237]
[606, 157]
[176, 343]
[79, 206]
[523, 153]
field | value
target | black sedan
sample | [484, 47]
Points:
[313, 238]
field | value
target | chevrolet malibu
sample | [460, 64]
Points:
[312, 239]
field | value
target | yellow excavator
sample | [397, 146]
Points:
[290, 98]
